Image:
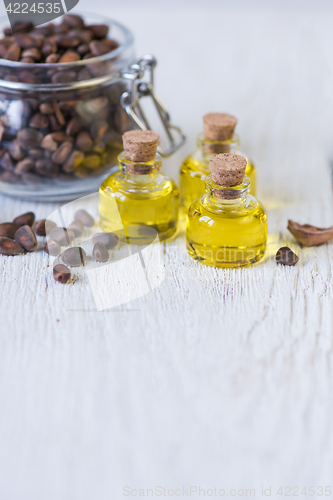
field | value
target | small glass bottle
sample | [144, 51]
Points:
[227, 227]
[218, 137]
[139, 197]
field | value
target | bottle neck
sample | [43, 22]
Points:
[138, 172]
[217, 147]
[223, 195]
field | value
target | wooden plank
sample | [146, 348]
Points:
[217, 377]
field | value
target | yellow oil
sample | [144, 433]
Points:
[226, 233]
[193, 173]
[133, 205]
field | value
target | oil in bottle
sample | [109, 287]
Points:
[139, 198]
[227, 227]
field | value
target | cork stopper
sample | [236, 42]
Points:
[228, 171]
[140, 145]
[219, 126]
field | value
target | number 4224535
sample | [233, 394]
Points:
[36, 8]
[295, 491]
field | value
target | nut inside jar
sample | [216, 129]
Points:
[61, 120]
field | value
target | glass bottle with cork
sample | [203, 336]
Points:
[218, 137]
[139, 198]
[227, 227]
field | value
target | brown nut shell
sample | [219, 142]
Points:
[9, 247]
[61, 273]
[286, 257]
[310, 235]
[25, 219]
[39, 228]
[62, 235]
[52, 247]
[100, 252]
[25, 237]
[84, 217]
[74, 257]
[8, 229]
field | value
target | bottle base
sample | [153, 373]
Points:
[225, 257]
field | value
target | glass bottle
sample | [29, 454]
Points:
[139, 197]
[195, 167]
[227, 227]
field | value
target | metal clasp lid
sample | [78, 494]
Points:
[143, 87]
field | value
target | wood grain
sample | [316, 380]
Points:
[216, 377]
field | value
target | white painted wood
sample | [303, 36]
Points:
[217, 378]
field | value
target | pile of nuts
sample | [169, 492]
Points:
[54, 137]
[20, 235]
[17, 236]
[67, 42]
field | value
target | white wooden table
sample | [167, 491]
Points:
[217, 378]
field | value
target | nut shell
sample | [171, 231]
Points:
[25, 219]
[100, 252]
[25, 237]
[9, 247]
[8, 229]
[286, 257]
[61, 273]
[74, 257]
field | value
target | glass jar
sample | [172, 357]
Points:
[91, 103]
